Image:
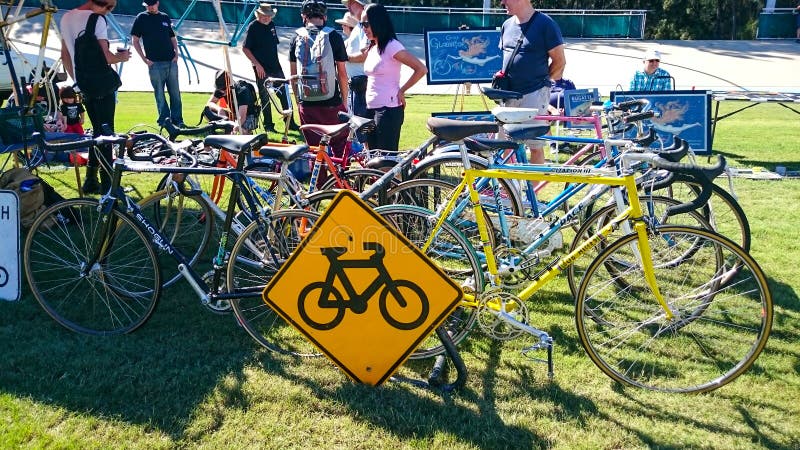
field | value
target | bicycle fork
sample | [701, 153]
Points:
[642, 247]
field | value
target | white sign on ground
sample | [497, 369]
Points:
[9, 251]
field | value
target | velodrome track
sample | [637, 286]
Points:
[765, 65]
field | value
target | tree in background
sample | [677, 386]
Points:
[666, 19]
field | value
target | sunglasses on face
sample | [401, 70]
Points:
[653, 60]
[108, 6]
[364, 24]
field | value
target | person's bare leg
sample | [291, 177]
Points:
[536, 155]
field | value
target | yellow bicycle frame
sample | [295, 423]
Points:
[564, 175]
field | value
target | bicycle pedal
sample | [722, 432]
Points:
[527, 352]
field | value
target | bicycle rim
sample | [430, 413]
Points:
[652, 206]
[251, 267]
[721, 323]
[115, 296]
[187, 223]
[452, 253]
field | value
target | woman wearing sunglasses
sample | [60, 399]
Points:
[385, 96]
[100, 109]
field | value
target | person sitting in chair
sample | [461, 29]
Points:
[651, 77]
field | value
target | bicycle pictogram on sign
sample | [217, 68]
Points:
[359, 290]
[402, 303]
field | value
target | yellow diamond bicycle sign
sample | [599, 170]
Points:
[361, 292]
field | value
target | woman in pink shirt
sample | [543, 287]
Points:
[385, 96]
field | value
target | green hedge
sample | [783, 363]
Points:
[581, 24]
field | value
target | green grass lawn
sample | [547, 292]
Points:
[192, 378]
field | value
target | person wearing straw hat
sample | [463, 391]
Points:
[261, 48]
[357, 45]
[348, 22]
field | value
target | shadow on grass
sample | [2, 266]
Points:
[154, 376]
[652, 407]
[158, 377]
[470, 414]
[783, 295]
[735, 159]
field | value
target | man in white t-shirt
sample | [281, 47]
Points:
[100, 109]
[357, 44]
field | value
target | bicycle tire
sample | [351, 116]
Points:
[449, 167]
[250, 267]
[452, 253]
[723, 211]
[187, 222]
[118, 295]
[720, 327]
[650, 205]
[433, 194]
[358, 179]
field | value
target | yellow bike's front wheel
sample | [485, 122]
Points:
[721, 305]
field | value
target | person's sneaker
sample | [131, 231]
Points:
[270, 128]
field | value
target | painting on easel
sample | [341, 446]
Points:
[462, 56]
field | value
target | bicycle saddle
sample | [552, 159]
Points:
[482, 144]
[456, 130]
[524, 132]
[506, 114]
[333, 251]
[499, 94]
[361, 124]
[283, 152]
[326, 130]
[236, 143]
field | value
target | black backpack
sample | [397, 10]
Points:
[94, 76]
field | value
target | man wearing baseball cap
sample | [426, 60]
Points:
[160, 54]
[651, 77]
[357, 44]
[261, 48]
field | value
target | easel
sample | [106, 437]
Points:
[461, 91]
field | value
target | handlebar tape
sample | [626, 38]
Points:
[638, 116]
[703, 175]
[631, 104]
[77, 145]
